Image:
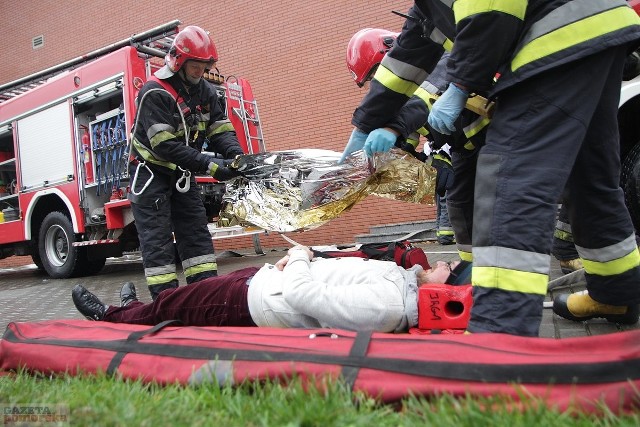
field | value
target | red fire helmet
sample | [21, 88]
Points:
[365, 50]
[190, 43]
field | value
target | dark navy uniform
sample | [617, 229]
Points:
[161, 155]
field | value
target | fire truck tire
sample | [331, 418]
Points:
[35, 254]
[55, 246]
[87, 267]
[630, 183]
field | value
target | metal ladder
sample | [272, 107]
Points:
[154, 42]
[244, 113]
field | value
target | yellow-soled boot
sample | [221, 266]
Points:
[580, 307]
[571, 265]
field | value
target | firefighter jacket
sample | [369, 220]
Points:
[159, 134]
[516, 39]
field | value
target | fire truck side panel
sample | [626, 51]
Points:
[46, 157]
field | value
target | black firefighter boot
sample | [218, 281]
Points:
[155, 290]
[128, 294]
[87, 303]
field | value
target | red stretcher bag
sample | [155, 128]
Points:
[403, 254]
[583, 374]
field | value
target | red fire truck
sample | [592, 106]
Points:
[64, 144]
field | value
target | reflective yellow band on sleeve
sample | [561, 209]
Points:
[464, 8]
[448, 45]
[469, 146]
[148, 156]
[395, 83]
[227, 127]
[427, 97]
[573, 34]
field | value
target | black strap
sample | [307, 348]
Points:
[135, 336]
[358, 351]
[403, 258]
[378, 251]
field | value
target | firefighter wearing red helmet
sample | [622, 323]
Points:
[365, 51]
[554, 127]
[179, 115]
[192, 43]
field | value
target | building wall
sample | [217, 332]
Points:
[292, 52]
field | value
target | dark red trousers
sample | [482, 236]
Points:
[214, 301]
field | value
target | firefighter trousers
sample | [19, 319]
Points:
[444, 230]
[460, 199]
[555, 129]
[563, 248]
[162, 213]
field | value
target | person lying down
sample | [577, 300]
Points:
[297, 292]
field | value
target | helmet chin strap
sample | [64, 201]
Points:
[186, 79]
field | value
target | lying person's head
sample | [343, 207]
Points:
[453, 273]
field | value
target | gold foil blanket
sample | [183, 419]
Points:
[302, 189]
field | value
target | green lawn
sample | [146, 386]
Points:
[104, 401]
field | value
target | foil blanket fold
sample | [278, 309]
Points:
[302, 189]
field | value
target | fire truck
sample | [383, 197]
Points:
[64, 149]
[628, 114]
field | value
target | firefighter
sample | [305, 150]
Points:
[178, 114]
[555, 124]
[365, 51]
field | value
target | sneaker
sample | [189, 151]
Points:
[128, 294]
[580, 307]
[88, 304]
[570, 265]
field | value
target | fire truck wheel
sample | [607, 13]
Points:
[630, 183]
[87, 267]
[55, 244]
[35, 256]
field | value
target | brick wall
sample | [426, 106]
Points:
[292, 52]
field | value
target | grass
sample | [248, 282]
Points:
[106, 401]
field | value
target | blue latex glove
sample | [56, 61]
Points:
[446, 109]
[356, 142]
[379, 141]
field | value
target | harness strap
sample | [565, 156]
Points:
[186, 111]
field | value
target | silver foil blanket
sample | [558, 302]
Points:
[302, 189]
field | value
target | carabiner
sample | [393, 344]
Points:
[186, 178]
[135, 178]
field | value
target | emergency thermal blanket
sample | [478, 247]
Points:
[303, 189]
[582, 374]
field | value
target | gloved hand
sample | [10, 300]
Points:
[420, 155]
[379, 141]
[446, 109]
[441, 162]
[356, 142]
[220, 170]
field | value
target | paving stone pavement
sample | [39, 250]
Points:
[27, 294]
